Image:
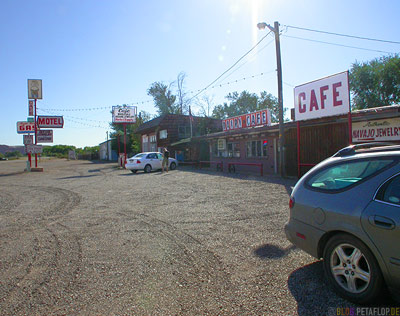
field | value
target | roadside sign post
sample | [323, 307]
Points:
[35, 93]
[124, 115]
[35, 136]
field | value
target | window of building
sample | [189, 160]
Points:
[153, 138]
[233, 150]
[257, 149]
[183, 131]
[163, 134]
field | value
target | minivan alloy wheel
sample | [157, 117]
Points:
[350, 268]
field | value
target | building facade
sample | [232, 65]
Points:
[176, 131]
[306, 143]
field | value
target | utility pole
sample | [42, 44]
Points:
[275, 30]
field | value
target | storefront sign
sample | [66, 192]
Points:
[28, 139]
[379, 130]
[258, 118]
[34, 89]
[45, 136]
[25, 127]
[325, 97]
[50, 121]
[124, 114]
[221, 144]
[34, 149]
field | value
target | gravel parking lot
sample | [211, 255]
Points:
[86, 238]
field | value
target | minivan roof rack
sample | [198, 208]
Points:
[366, 147]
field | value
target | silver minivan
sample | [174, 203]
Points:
[346, 210]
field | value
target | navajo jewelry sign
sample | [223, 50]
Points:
[124, 114]
[378, 130]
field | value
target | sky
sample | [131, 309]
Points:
[95, 54]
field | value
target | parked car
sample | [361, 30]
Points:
[346, 210]
[148, 161]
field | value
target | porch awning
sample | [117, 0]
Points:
[182, 141]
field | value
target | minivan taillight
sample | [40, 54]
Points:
[138, 161]
[291, 202]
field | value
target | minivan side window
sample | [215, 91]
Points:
[390, 191]
[346, 174]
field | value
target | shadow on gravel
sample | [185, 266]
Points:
[274, 179]
[314, 295]
[78, 177]
[273, 252]
[11, 174]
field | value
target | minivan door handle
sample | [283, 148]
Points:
[381, 222]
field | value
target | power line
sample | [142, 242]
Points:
[336, 44]
[142, 102]
[343, 35]
[249, 59]
[79, 118]
[231, 66]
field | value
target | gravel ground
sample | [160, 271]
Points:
[86, 238]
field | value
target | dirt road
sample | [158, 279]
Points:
[86, 238]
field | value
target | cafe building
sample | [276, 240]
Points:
[249, 143]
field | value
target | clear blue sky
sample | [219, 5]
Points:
[98, 53]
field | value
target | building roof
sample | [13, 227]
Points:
[357, 115]
[151, 124]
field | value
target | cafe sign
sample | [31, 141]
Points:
[323, 97]
[377, 130]
[258, 118]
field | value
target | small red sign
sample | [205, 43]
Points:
[28, 139]
[30, 108]
[25, 127]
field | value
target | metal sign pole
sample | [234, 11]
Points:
[125, 144]
[349, 114]
[35, 136]
[298, 150]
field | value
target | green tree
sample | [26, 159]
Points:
[60, 151]
[164, 99]
[13, 154]
[375, 83]
[246, 102]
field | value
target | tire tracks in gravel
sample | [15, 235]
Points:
[53, 269]
[197, 267]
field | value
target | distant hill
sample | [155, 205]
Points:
[5, 149]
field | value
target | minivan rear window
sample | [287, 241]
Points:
[346, 174]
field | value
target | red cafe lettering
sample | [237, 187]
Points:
[319, 103]
[247, 120]
[324, 97]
